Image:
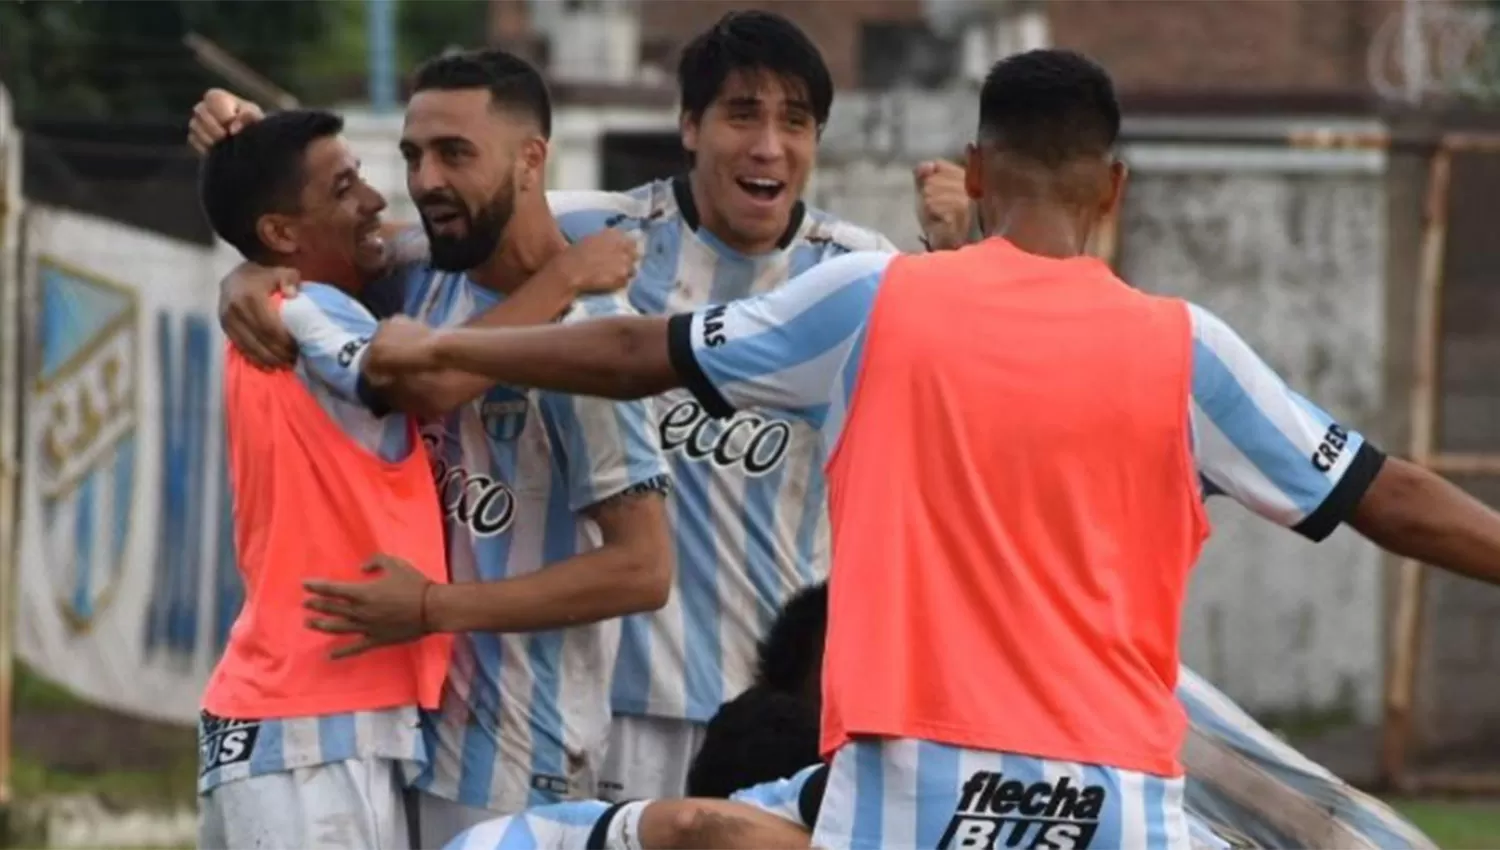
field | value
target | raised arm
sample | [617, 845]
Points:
[1267, 447]
[786, 349]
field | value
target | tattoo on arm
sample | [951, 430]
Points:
[659, 485]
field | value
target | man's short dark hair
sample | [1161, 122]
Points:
[760, 736]
[752, 41]
[513, 82]
[1049, 106]
[793, 645]
[257, 171]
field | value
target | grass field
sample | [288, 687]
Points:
[64, 745]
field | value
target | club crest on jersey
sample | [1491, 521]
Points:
[503, 413]
[749, 440]
[996, 811]
[85, 445]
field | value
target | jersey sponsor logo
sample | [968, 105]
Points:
[350, 350]
[994, 811]
[222, 742]
[713, 326]
[749, 441]
[550, 785]
[485, 505]
[1335, 439]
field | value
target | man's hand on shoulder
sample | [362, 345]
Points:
[246, 316]
[600, 262]
[217, 116]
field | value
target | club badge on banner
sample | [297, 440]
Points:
[126, 570]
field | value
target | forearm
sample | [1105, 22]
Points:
[611, 581]
[622, 357]
[716, 825]
[543, 298]
[1420, 515]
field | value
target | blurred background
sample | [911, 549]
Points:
[1323, 173]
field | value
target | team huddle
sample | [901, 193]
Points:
[682, 435]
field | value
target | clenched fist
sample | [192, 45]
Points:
[599, 262]
[942, 204]
[401, 345]
[218, 115]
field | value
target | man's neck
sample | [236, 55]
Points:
[1038, 227]
[531, 240]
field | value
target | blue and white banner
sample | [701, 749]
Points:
[126, 571]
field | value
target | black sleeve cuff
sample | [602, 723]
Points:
[599, 835]
[373, 399]
[810, 801]
[680, 350]
[1340, 504]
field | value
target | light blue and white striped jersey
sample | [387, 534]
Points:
[748, 511]
[1249, 783]
[1254, 438]
[524, 714]
[332, 330]
[560, 826]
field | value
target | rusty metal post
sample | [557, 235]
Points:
[1406, 631]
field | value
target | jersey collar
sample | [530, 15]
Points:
[689, 210]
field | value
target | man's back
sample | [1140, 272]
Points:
[1034, 412]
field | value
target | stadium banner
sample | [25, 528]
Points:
[126, 576]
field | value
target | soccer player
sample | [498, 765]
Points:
[1019, 444]
[749, 507]
[554, 503]
[296, 749]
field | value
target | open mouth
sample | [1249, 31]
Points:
[761, 188]
[443, 217]
[369, 236]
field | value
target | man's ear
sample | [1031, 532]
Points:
[688, 125]
[1118, 172]
[277, 232]
[532, 164]
[974, 172]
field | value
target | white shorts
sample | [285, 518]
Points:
[440, 820]
[904, 793]
[649, 757]
[346, 805]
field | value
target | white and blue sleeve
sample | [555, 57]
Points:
[795, 349]
[333, 332]
[797, 799]
[1262, 444]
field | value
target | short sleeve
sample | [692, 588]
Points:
[608, 447]
[797, 799]
[333, 332]
[794, 349]
[1262, 444]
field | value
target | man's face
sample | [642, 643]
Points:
[335, 237]
[462, 163]
[754, 148]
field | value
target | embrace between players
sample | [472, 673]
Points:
[1025, 463]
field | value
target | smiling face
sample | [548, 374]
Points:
[754, 147]
[335, 234]
[462, 158]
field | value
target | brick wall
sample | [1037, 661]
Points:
[1239, 46]
[832, 24]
